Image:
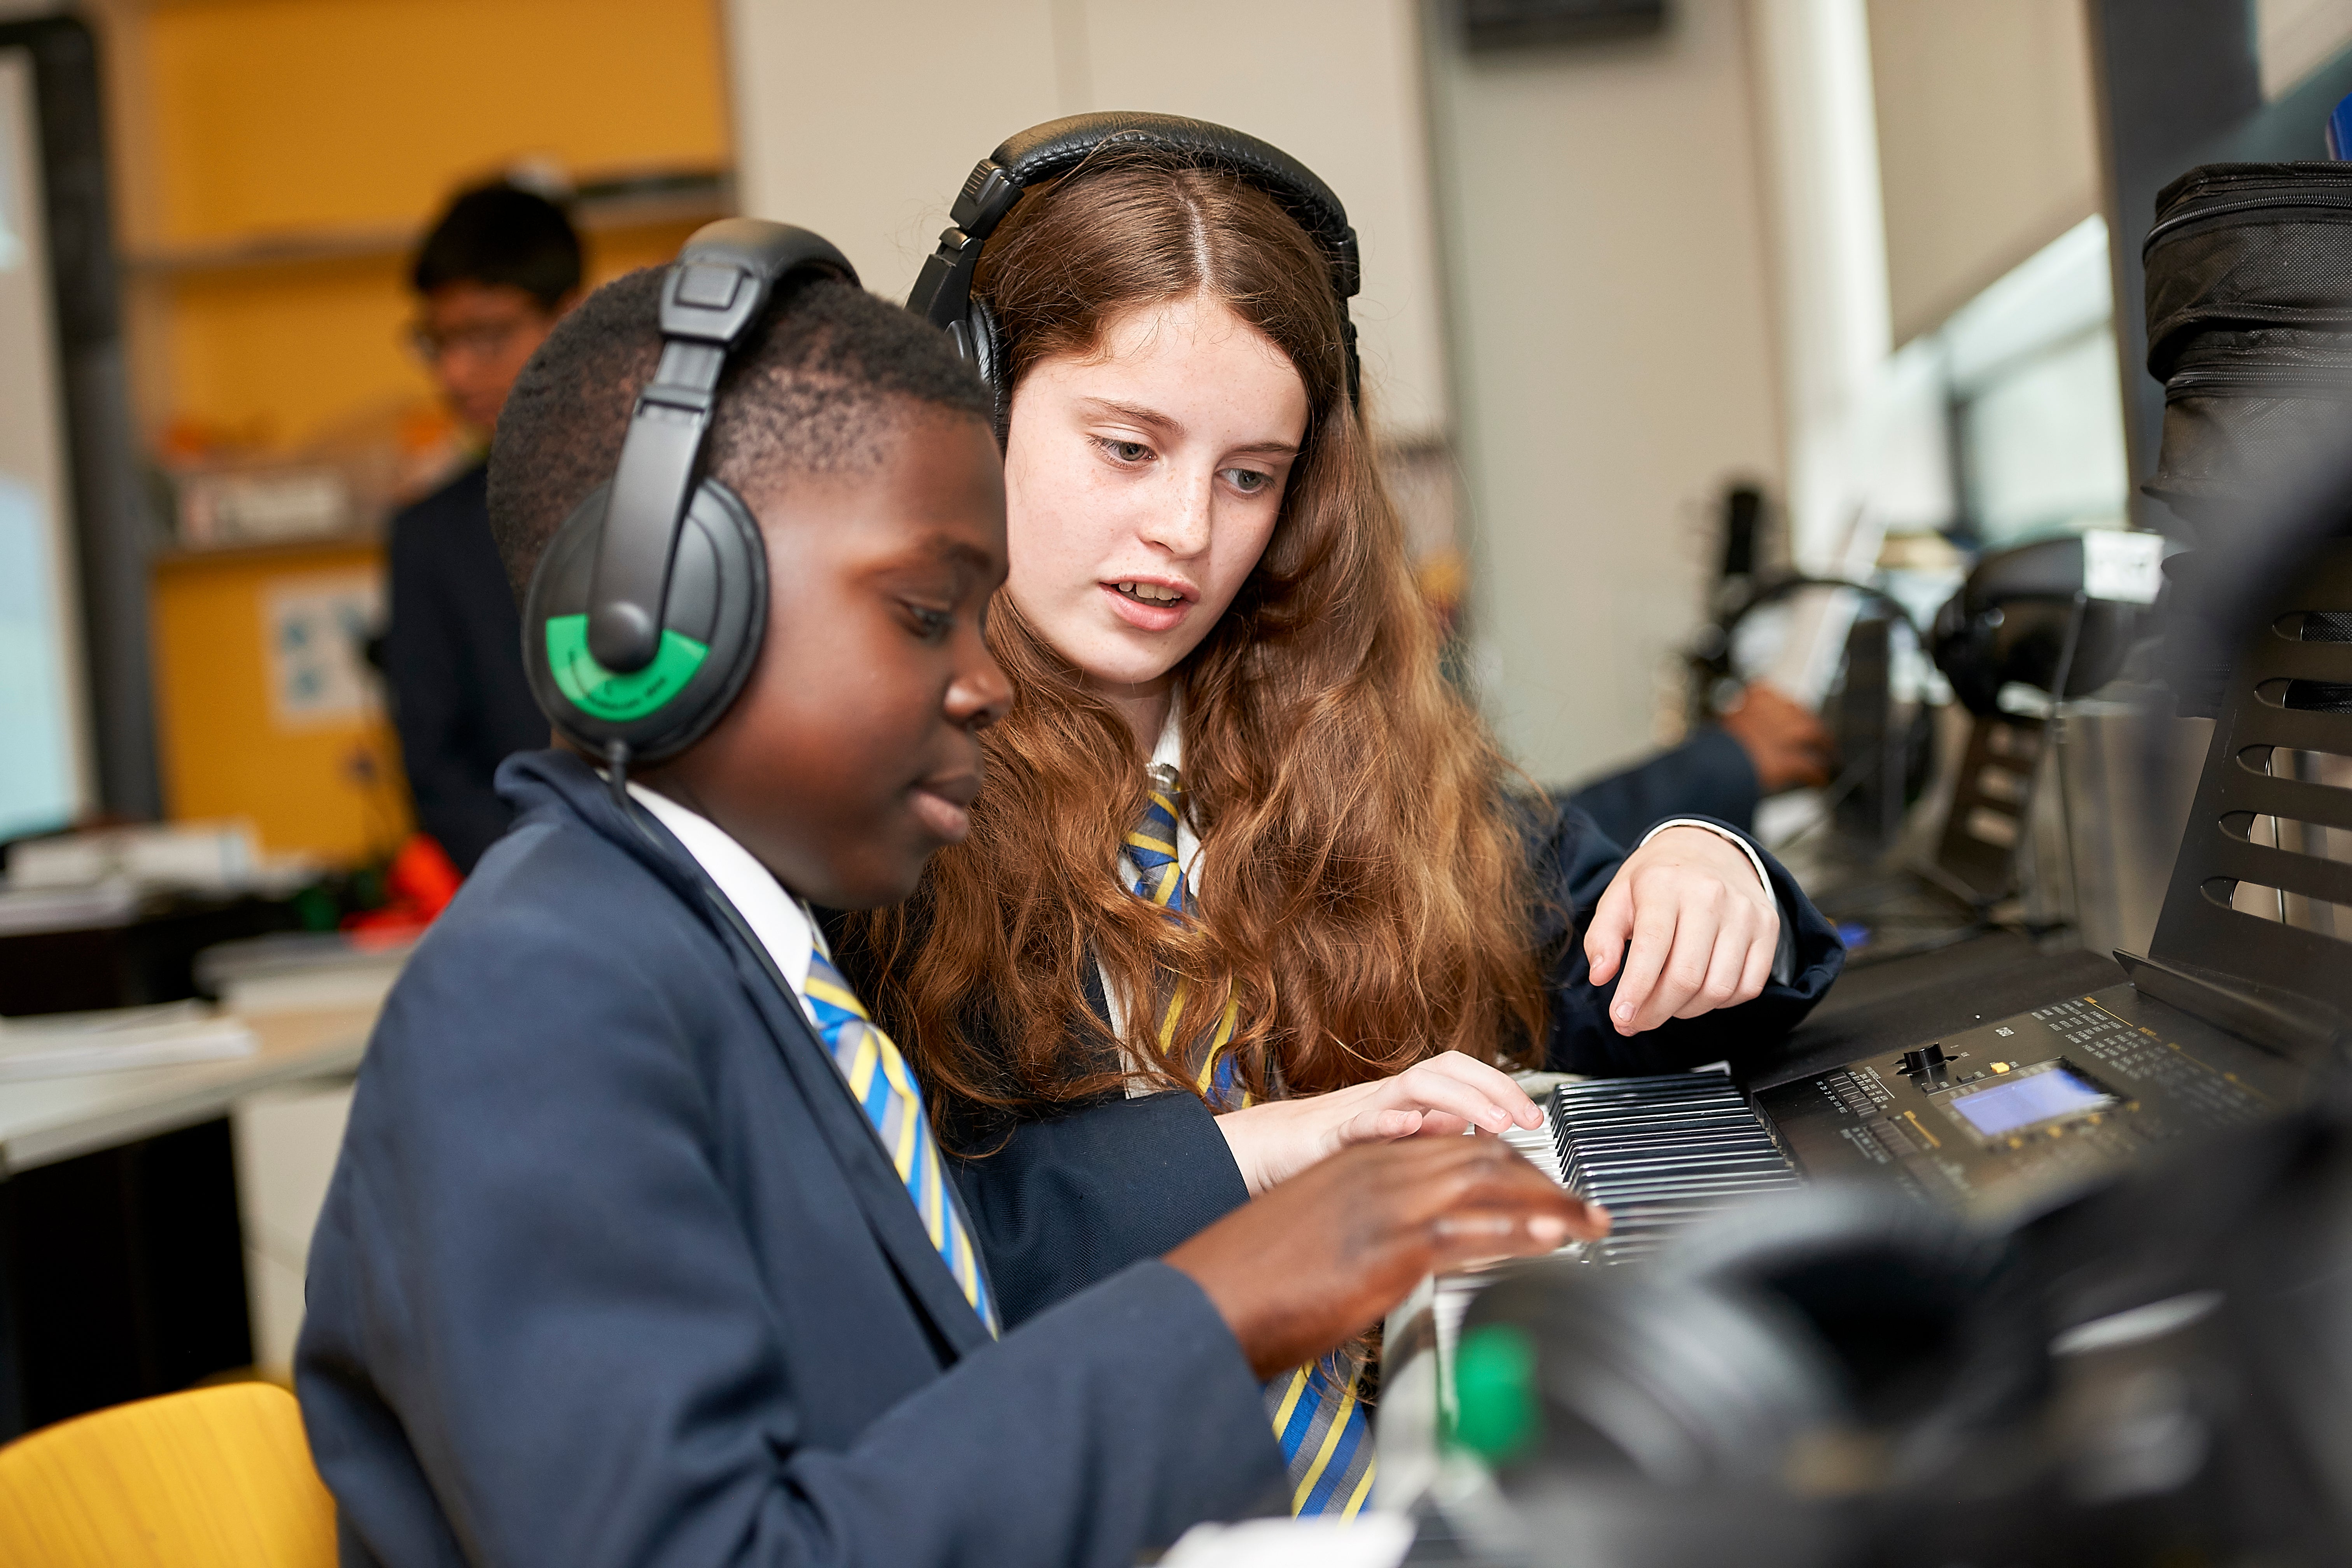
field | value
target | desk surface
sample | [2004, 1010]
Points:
[47, 1120]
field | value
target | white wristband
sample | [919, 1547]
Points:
[1745, 847]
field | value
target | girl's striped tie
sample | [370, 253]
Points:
[1324, 1429]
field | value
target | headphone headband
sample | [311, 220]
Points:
[717, 289]
[942, 293]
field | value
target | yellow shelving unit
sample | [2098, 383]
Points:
[276, 162]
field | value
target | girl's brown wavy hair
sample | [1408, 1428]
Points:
[1365, 887]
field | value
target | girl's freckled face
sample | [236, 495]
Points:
[1142, 482]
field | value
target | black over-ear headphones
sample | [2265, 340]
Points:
[647, 608]
[942, 293]
[1838, 1308]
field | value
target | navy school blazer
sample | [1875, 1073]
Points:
[613, 1270]
[1061, 1201]
[1707, 775]
[453, 661]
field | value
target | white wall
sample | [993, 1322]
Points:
[287, 1143]
[2295, 37]
[1987, 145]
[1611, 304]
[1820, 146]
[870, 155]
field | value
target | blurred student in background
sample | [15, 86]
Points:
[493, 276]
[1764, 744]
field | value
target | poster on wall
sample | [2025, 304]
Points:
[317, 629]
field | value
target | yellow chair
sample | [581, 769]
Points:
[214, 1478]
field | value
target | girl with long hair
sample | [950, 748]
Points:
[1248, 879]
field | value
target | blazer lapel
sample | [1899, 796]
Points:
[881, 1196]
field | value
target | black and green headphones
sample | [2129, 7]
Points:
[646, 611]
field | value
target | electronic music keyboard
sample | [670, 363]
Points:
[1994, 1121]
[1659, 1154]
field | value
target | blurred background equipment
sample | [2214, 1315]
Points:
[1746, 739]
[1508, 24]
[1981, 1331]
[2054, 1289]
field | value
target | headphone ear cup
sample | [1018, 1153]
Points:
[986, 341]
[1903, 1298]
[714, 619]
[1631, 1377]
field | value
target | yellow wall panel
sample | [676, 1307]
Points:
[327, 785]
[625, 250]
[274, 353]
[350, 121]
[279, 352]
[295, 114]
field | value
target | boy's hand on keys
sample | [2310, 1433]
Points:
[1319, 1258]
[1442, 1096]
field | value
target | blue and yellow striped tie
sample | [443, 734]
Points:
[1325, 1432]
[881, 1082]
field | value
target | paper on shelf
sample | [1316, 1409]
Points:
[66, 1045]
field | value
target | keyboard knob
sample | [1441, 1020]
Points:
[1923, 1061]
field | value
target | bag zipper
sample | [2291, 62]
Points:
[2243, 381]
[2282, 201]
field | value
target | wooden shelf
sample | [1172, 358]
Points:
[598, 207]
[183, 558]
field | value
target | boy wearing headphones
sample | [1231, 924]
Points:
[639, 1251]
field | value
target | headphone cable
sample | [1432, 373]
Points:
[617, 773]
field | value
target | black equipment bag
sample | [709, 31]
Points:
[2249, 326]
[2249, 273]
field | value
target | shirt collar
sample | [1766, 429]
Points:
[780, 921]
[1170, 751]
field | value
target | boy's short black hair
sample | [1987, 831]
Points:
[501, 234]
[828, 372]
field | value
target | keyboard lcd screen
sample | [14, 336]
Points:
[2022, 1101]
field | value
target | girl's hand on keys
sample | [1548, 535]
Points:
[1441, 1097]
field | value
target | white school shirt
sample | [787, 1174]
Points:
[780, 921]
[1169, 753]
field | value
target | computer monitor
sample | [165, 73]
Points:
[46, 781]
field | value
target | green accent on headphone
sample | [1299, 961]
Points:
[1495, 1413]
[617, 699]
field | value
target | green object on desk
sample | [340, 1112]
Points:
[1496, 1413]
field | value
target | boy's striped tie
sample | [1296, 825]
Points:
[879, 1080]
[1325, 1432]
